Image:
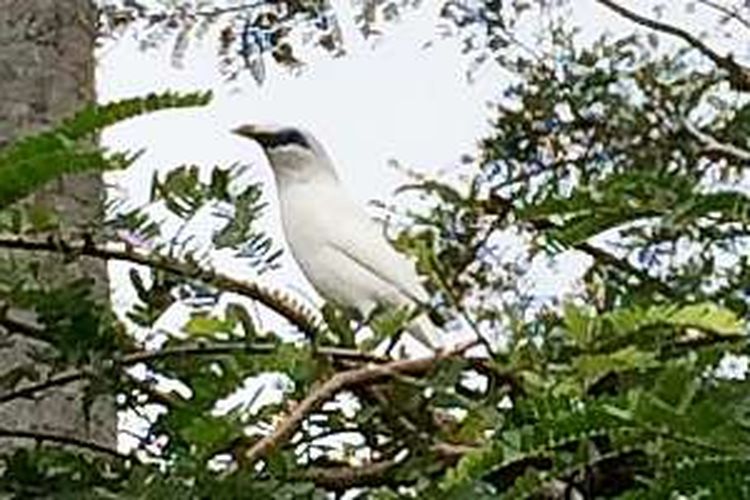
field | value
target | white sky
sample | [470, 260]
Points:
[397, 100]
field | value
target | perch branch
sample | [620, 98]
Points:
[274, 300]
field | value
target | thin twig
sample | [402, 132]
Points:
[713, 145]
[232, 9]
[728, 12]
[208, 349]
[197, 349]
[342, 380]
[60, 439]
[739, 76]
[64, 378]
[373, 473]
[12, 325]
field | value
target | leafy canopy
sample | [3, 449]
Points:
[628, 151]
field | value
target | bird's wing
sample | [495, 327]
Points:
[360, 239]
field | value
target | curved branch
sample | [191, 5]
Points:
[726, 11]
[342, 380]
[739, 76]
[273, 299]
[61, 439]
[197, 349]
[712, 145]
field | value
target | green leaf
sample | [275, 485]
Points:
[204, 325]
[591, 367]
[32, 161]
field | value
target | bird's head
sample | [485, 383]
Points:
[293, 153]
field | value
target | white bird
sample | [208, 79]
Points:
[340, 249]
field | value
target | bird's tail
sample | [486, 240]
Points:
[421, 337]
[425, 332]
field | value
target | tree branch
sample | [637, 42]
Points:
[58, 380]
[373, 473]
[197, 349]
[603, 257]
[14, 326]
[61, 439]
[342, 380]
[713, 145]
[726, 11]
[344, 478]
[739, 76]
[275, 300]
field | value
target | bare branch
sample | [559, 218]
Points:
[60, 439]
[231, 9]
[197, 349]
[712, 145]
[275, 300]
[15, 326]
[64, 378]
[727, 11]
[342, 380]
[739, 76]
[343, 478]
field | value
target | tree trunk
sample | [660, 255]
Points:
[46, 73]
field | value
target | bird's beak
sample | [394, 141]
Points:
[249, 131]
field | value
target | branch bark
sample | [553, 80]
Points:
[273, 299]
[342, 380]
[63, 440]
[197, 349]
[713, 145]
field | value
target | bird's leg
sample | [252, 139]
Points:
[409, 320]
[393, 342]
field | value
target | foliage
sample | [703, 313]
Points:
[27, 164]
[633, 384]
[249, 34]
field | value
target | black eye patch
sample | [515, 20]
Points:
[283, 138]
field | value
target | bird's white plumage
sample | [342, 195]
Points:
[341, 250]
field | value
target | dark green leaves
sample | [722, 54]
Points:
[31, 162]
